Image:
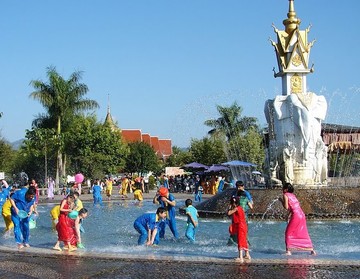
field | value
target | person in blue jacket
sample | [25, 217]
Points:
[148, 226]
[167, 201]
[97, 193]
[23, 199]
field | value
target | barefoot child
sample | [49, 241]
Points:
[239, 227]
[77, 228]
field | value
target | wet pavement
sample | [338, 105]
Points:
[45, 263]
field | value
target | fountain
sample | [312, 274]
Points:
[293, 155]
[109, 232]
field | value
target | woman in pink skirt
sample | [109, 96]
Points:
[296, 233]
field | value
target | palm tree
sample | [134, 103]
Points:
[230, 123]
[62, 99]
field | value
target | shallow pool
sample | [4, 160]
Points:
[109, 229]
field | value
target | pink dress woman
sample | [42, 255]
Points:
[296, 234]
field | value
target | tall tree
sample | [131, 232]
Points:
[230, 123]
[142, 158]
[207, 151]
[94, 148]
[62, 99]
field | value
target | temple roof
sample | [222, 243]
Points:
[338, 128]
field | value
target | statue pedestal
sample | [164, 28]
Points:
[303, 176]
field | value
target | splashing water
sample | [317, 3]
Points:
[109, 230]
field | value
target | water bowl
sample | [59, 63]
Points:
[22, 214]
[32, 224]
[73, 214]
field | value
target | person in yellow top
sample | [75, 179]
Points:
[6, 213]
[78, 202]
[124, 187]
[109, 187]
[54, 213]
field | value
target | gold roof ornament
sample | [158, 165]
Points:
[292, 22]
[292, 47]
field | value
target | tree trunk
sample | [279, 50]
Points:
[57, 177]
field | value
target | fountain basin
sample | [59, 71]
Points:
[317, 203]
[109, 231]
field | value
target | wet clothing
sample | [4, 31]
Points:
[190, 229]
[6, 213]
[65, 226]
[145, 222]
[97, 195]
[55, 213]
[296, 233]
[239, 228]
[4, 194]
[21, 226]
[170, 217]
[138, 195]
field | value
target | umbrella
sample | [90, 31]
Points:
[195, 165]
[217, 168]
[256, 172]
[237, 163]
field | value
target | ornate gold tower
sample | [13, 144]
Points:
[292, 51]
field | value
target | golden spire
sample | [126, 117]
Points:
[108, 119]
[292, 22]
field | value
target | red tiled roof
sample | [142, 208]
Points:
[146, 138]
[131, 135]
[165, 147]
[155, 144]
[162, 147]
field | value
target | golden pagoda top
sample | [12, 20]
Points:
[292, 22]
[108, 119]
[292, 47]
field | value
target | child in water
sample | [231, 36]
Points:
[138, 195]
[97, 193]
[192, 220]
[147, 225]
[239, 228]
[83, 213]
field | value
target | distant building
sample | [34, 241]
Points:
[162, 147]
[341, 138]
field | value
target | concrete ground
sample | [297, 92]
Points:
[43, 263]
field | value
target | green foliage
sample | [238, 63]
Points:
[208, 151]
[152, 182]
[248, 147]
[230, 123]
[179, 157]
[142, 158]
[95, 150]
[7, 157]
[342, 165]
[239, 134]
[62, 100]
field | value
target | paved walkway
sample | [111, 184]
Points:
[44, 263]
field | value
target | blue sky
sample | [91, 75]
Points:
[167, 64]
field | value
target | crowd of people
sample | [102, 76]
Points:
[19, 207]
